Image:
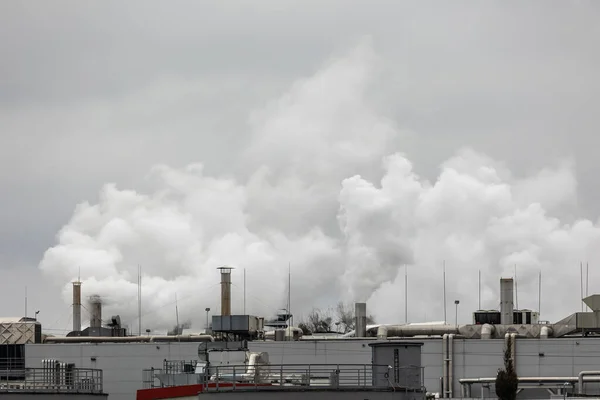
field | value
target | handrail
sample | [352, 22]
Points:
[315, 376]
[288, 376]
[59, 379]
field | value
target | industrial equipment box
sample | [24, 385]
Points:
[235, 323]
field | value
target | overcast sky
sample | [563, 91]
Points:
[99, 92]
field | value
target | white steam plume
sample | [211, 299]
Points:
[309, 199]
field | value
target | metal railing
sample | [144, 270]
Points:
[61, 380]
[289, 376]
[229, 377]
[150, 377]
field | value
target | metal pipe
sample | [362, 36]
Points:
[444, 365]
[580, 379]
[225, 290]
[385, 331]
[546, 332]
[512, 338]
[382, 332]
[487, 331]
[506, 301]
[451, 365]
[532, 379]
[360, 313]
[77, 306]
[96, 312]
[129, 339]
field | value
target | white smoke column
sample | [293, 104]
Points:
[309, 195]
[475, 216]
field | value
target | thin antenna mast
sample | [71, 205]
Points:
[479, 289]
[587, 280]
[25, 301]
[444, 270]
[177, 316]
[244, 291]
[540, 295]
[139, 300]
[405, 295]
[290, 294]
[581, 284]
[516, 289]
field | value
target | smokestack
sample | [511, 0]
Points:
[506, 301]
[225, 290]
[96, 311]
[77, 306]
[360, 313]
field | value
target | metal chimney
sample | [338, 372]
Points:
[506, 301]
[225, 290]
[96, 312]
[77, 306]
[360, 315]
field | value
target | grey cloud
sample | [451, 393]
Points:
[101, 92]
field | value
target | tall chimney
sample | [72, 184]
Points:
[506, 301]
[360, 315]
[225, 290]
[96, 312]
[77, 306]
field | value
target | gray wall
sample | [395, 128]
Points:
[50, 396]
[123, 363]
[313, 395]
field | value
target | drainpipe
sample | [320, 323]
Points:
[512, 337]
[580, 379]
[451, 365]
[445, 365]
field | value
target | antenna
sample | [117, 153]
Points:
[176, 316]
[516, 291]
[244, 291]
[405, 295]
[587, 279]
[139, 300]
[581, 284]
[540, 294]
[479, 289]
[25, 301]
[290, 293]
[444, 269]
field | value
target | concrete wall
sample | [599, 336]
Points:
[123, 363]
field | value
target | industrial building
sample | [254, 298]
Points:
[458, 361]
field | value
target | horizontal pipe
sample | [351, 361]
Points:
[582, 374]
[182, 338]
[129, 339]
[533, 379]
[385, 331]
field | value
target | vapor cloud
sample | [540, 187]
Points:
[324, 188]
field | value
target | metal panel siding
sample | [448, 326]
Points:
[123, 363]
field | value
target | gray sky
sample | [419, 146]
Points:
[97, 92]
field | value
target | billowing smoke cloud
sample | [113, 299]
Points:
[322, 188]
